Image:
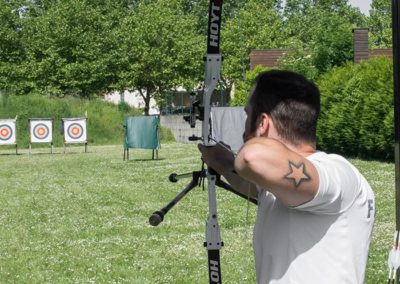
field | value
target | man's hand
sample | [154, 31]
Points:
[221, 159]
[217, 157]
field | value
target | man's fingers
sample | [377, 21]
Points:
[224, 145]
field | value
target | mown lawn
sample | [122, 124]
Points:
[83, 218]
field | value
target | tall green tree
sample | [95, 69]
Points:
[230, 9]
[380, 23]
[258, 25]
[320, 34]
[71, 47]
[162, 50]
[11, 50]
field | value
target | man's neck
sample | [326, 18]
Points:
[303, 149]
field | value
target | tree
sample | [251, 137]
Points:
[162, 50]
[257, 25]
[230, 10]
[71, 46]
[320, 34]
[11, 51]
[301, 15]
[380, 23]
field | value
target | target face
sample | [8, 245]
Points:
[41, 131]
[75, 131]
[7, 132]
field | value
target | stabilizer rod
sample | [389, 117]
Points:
[158, 216]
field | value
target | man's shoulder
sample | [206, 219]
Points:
[324, 158]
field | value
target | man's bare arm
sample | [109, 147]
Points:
[271, 165]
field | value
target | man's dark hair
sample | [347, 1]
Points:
[292, 102]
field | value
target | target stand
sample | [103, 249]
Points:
[40, 131]
[8, 133]
[74, 131]
[142, 132]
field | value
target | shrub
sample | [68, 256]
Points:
[104, 119]
[242, 91]
[300, 61]
[357, 109]
[166, 135]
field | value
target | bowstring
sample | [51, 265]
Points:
[246, 229]
[241, 48]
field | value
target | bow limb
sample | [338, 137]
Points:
[212, 63]
[213, 241]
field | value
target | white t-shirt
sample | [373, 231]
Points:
[325, 240]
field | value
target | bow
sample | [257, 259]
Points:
[212, 73]
[213, 60]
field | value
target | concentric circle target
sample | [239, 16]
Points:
[75, 131]
[41, 131]
[6, 132]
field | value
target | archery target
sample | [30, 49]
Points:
[7, 132]
[75, 131]
[41, 131]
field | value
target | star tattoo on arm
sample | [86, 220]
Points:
[297, 173]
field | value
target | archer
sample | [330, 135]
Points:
[315, 210]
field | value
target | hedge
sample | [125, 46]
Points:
[356, 108]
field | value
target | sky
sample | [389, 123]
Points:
[364, 5]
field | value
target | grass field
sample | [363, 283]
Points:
[83, 218]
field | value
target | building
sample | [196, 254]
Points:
[270, 57]
[133, 99]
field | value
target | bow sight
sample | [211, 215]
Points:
[196, 111]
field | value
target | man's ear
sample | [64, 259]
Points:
[263, 124]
